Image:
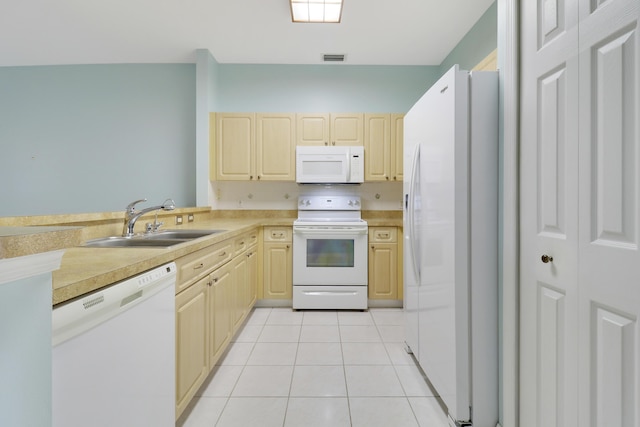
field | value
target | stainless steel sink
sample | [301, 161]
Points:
[161, 239]
[181, 234]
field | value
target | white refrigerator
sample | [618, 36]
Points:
[451, 242]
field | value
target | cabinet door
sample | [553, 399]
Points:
[239, 291]
[235, 141]
[312, 129]
[347, 129]
[383, 270]
[220, 312]
[377, 147]
[275, 147]
[252, 277]
[397, 141]
[278, 271]
[191, 342]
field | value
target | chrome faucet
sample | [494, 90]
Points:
[131, 215]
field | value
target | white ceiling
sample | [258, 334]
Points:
[372, 32]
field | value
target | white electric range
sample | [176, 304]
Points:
[330, 254]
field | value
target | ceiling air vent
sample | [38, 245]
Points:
[333, 58]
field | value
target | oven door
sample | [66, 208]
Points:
[329, 256]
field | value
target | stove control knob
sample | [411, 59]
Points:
[308, 202]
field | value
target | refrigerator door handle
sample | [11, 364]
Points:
[415, 245]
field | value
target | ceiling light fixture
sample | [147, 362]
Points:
[316, 10]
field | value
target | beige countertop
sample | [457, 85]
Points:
[22, 241]
[85, 270]
[384, 222]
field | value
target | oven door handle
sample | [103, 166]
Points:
[338, 231]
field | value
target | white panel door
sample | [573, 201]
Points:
[580, 202]
[608, 253]
[549, 202]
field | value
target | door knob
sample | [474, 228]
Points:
[546, 258]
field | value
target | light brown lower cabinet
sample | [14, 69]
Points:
[219, 298]
[252, 275]
[278, 263]
[240, 291]
[192, 332]
[385, 271]
[209, 310]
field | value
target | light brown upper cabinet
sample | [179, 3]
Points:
[383, 147]
[275, 147]
[234, 146]
[254, 147]
[397, 143]
[329, 129]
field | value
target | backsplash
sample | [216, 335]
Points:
[235, 195]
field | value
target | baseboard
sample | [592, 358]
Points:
[274, 303]
[384, 303]
[278, 303]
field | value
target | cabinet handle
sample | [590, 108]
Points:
[258, 177]
[373, 248]
[223, 254]
[326, 143]
[387, 178]
[215, 280]
[546, 258]
[199, 266]
[250, 177]
[383, 235]
[288, 246]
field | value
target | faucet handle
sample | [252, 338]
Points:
[130, 207]
[152, 227]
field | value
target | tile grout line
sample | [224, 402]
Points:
[253, 343]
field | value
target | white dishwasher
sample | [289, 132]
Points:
[114, 355]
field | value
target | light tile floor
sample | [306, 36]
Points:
[316, 368]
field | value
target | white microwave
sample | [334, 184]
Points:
[329, 164]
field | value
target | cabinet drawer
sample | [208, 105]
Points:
[201, 262]
[240, 244]
[383, 234]
[252, 238]
[244, 242]
[277, 234]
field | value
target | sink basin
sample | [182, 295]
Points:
[128, 242]
[181, 234]
[161, 239]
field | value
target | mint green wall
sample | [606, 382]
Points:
[322, 88]
[479, 42]
[206, 94]
[91, 138]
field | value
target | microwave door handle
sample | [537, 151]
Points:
[347, 178]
